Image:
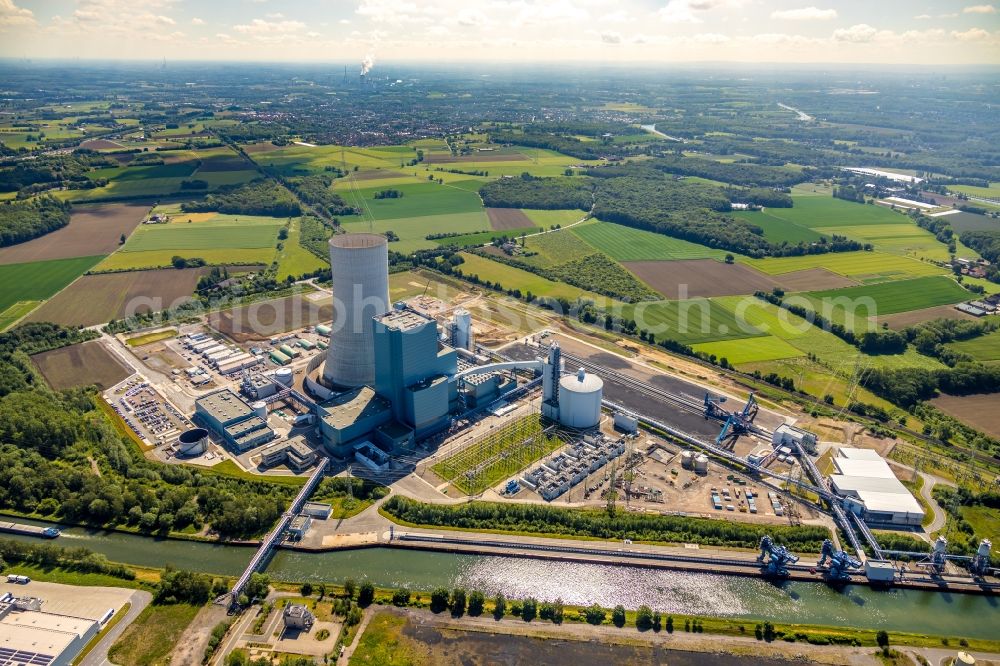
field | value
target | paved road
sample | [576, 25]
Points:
[939, 514]
[99, 655]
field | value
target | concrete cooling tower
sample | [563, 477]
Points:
[360, 267]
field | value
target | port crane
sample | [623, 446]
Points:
[774, 558]
[841, 563]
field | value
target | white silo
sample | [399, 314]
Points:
[687, 460]
[260, 409]
[462, 330]
[283, 376]
[701, 464]
[359, 264]
[580, 400]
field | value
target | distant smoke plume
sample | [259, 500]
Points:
[367, 63]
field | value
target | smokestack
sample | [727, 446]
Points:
[366, 64]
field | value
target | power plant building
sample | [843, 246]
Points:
[229, 416]
[412, 370]
[359, 264]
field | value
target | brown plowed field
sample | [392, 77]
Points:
[377, 174]
[502, 219]
[266, 319]
[101, 144]
[813, 279]
[903, 319]
[80, 365]
[97, 299]
[475, 157]
[979, 410]
[702, 277]
[92, 230]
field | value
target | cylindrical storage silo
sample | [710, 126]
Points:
[283, 376]
[193, 442]
[687, 460]
[260, 409]
[701, 464]
[463, 330]
[359, 265]
[580, 400]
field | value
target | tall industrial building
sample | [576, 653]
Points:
[413, 371]
[360, 267]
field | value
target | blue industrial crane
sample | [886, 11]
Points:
[840, 562]
[774, 558]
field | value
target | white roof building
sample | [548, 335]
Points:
[862, 474]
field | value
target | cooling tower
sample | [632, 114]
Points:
[360, 267]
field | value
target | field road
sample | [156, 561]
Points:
[99, 655]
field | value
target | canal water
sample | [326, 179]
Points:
[957, 615]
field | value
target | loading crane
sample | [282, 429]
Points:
[736, 423]
[774, 558]
[713, 407]
[840, 562]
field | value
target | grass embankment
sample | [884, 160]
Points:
[150, 338]
[549, 521]
[122, 612]
[151, 638]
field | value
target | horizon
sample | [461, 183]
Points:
[520, 31]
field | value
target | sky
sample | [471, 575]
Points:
[550, 31]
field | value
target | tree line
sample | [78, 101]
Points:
[23, 220]
[545, 519]
[260, 197]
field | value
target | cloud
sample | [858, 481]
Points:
[857, 34]
[258, 27]
[197, 21]
[805, 14]
[165, 20]
[686, 11]
[980, 9]
[923, 17]
[971, 35]
[611, 37]
[11, 15]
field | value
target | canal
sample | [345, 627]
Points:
[955, 615]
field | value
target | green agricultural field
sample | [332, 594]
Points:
[515, 278]
[991, 192]
[247, 233]
[815, 212]
[137, 261]
[906, 239]
[627, 244]
[413, 231]
[546, 218]
[39, 280]
[298, 160]
[864, 266]
[828, 349]
[984, 348]
[747, 350]
[418, 200]
[890, 297]
[691, 322]
[556, 247]
[16, 312]
[778, 230]
[293, 259]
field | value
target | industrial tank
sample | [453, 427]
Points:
[260, 409]
[462, 336]
[687, 460]
[701, 464]
[580, 400]
[359, 265]
[283, 376]
[193, 442]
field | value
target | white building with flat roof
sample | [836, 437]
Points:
[871, 490]
[42, 639]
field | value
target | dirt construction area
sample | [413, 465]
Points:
[902, 320]
[692, 278]
[97, 299]
[502, 219]
[979, 411]
[264, 320]
[80, 365]
[92, 230]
